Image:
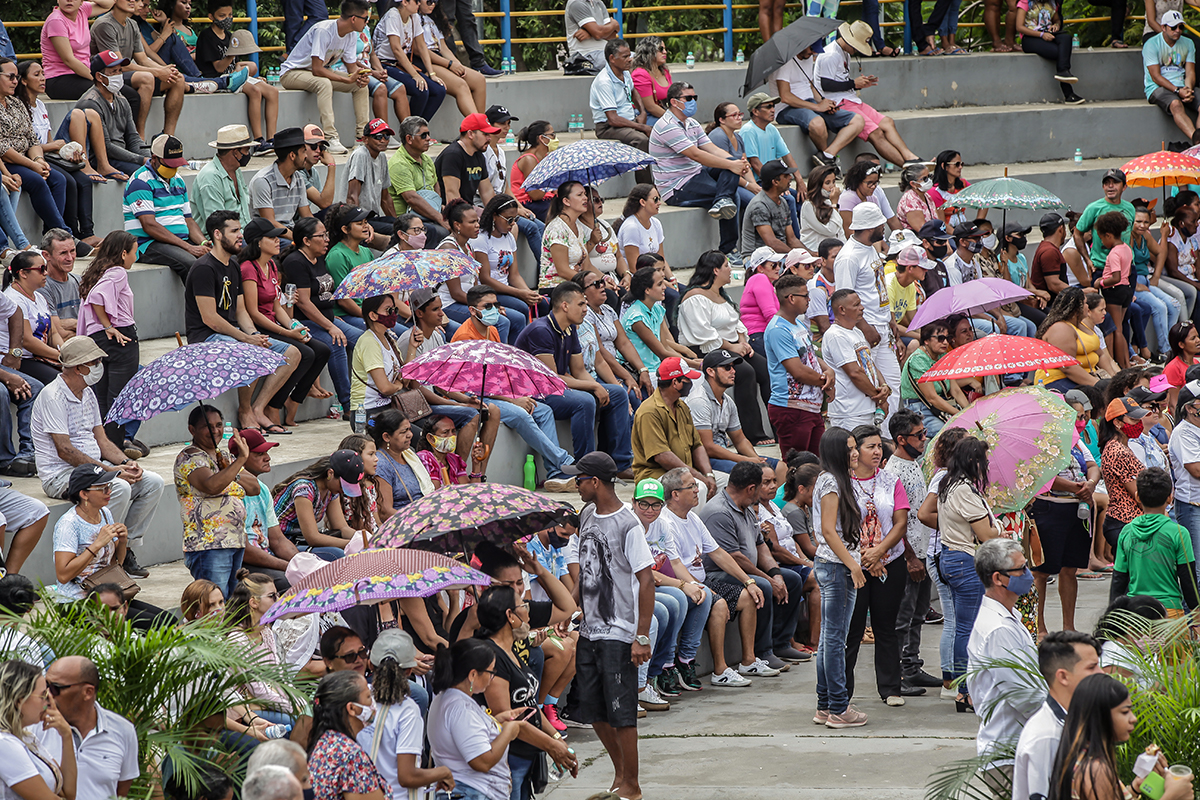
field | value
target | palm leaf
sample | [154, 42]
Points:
[974, 778]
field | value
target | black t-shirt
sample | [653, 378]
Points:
[434, 608]
[208, 277]
[315, 277]
[469, 170]
[209, 49]
[522, 692]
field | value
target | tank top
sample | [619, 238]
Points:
[1087, 351]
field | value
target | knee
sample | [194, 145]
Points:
[817, 127]
[719, 613]
[292, 354]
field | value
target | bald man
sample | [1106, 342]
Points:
[272, 783]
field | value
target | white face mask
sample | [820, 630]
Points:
[827, 193]
[989, 241]
[113, 83]
[365, 713]
[925, 185]
[94, 375]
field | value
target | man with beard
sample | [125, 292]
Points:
[859, 268]
[664, 436]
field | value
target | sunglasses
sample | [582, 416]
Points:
[353, 656]
[509, 219]
[1175, 27]
[592, 284]
[488, 306]
[954, 163]
[58, 688]
[379, 137]
[690, 97]
[35, 269]
[941, 337]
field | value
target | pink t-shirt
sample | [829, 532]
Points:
[645, 86]
[76, 33]
[1118, 262]
[112, 293]
[759, 303]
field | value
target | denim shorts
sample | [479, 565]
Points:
[834, 120]
[374, 83]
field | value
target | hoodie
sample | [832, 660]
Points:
[1154, 557]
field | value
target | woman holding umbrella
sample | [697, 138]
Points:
[935, 401]
[445, 466]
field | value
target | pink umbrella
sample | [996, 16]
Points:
[485, 369]
[981, 294]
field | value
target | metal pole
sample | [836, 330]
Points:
[506, 28]
[619, 15]
[727, 20]
[252, 13]
[907, 28]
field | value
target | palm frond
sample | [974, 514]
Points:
[974, 778]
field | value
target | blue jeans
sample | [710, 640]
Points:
[508, 326]
[421, 103]
[219, 566]
[6, 45]
[871, 17]
[23, 417]
[967, 592]
[1164, 313]
[339, 357]
[520, 767]
[463, 791]
[539, 432]
[950, 21]
[722, 465]
[615, 420]
[695, 618]
[1188, 515]
[933, 423]
[837, 607]
[677, 606]
[704, 189]
[48, 195]
[299, 16]
[10, 229]
[946, 599]
[662, 618]
[420, 696]
[532, 230]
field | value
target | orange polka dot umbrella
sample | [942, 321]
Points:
[997, 354]
[1163, 169]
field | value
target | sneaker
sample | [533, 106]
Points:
[734, 259]
[792, 655]
[723, 209]
[933, 617]
[896, 701]
[19, 468]
[821, 717]
[337, 148]
[551, 712]
[1075, 100]
[650, 700]
[570, 722]
[949, 694]
[729, 679]
[908, 689]
[132, 567]
[204, 87]
[640, 715]
[775, 662]
[758, 668]
[264, 146]
[666, 686]
[238, 79]
[923, 678]
[686, 673]
[850, 718]
[558, 485]
[135, 448]
[1065, 77]
[488, 71]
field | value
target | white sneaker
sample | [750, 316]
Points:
[760, 668]
[557, 485]
[204, 87]
[337, 148]
[651, 700]
[729, 679]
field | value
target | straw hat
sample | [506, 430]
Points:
[858, 34]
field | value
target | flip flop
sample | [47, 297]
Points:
[278, 430]
[97, 178]
[117, 175]
[958, 51]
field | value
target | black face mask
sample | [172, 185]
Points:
[1018, 242]
[244, 159]
[685, 389]
[557, 541]
[914, 452]
[939, 249]
[310, 794]
[227, 25]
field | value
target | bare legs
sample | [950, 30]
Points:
[887, 142]
[621, 744]
[23, 543]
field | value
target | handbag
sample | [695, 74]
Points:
[579, 64]
[113, 573]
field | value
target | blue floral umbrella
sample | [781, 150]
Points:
[402, 271]
[190, 374]
[588, 162]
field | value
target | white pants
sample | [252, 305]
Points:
[889, 367]
[130, 503]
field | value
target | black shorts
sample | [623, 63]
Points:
[1065, 539]
[1112, 529]
[1118, 295]
[606, 682]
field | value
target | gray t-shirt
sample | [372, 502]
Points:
[372, 172]
[734, 529]
[612, 550]
[579, 12]
[108, 34]
[707, 414]
[268, 189]
[762, 210]
[63, 297]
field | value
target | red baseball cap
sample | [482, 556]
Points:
[674, 367]
[477, 122]
[377, 126]
[313, 134]
[255, 441]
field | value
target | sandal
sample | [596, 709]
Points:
[766, 443]
[889, 52]
[1118, 44]
[117, 175]
[276, 429]
[96, 177]
[868, 636]
[958, 51]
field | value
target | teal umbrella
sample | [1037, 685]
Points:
[1005, 193]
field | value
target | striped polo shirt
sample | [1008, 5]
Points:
[147, 193]
[668, 140]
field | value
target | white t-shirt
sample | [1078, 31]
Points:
[105, 757]
[860, 267]
[500, 252]
[826, 484]
[465, 281]
[935, 537]
[1036, 749]
[35, 309]
[818, 298]
[57, 410]
[769, 512]
[393, 25]
[496, 168]
[403, 732]
[834, 64]
[18, 764]
[41, 121]
[647, 240]
[842, 346]
[692, 540]
[1187, 253]
[612, 550]
[460, 730]
[7, 309]
[1184, 449]
[322, 41]
[800, 74]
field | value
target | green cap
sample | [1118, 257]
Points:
[648, 488]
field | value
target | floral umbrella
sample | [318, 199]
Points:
[402, 271]
[1029, 431]
[1163, 169]
[457, 518]
[589, 162]
[1006, 193]
[486, 369]
[190, 374]
[997, 354]
[373, 576]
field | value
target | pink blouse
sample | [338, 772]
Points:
[912, 201]
[456, 467]
[113, 294]
[645, 86]
[759, 303]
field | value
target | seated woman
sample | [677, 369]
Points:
[261, 289]
[646, 325]
[935, 401]
[87, 540]
[565, 243]
[605, 344]
[535, 141]
[401, 49]
[819, 218]
[1185, 351]
[303, 500]
[252, 598]
[201, 599]
[362, 512]
[651, 78]
[495, 248]
[463, 220]
[916, 207]
[403, 477]
[466, 85]
[1042, 34]
[759, 302]
[26, 274]
[1069, 328]
[604, 248]
[340, 768]
[437, 452]
[708, 321]
[640, 232]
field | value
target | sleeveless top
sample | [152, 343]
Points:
[1087, 350]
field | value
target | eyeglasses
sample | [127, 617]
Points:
[735, 114]
[766, 105]
[508, 219]
[796, 294]
[35, 269]
[12, 76]
[383, 312]
[364, 18]
[58, 688]
[592, 284]
[379, 137]
[414, 231]
[1176, 27]
[662, 49]
[954, 163]
[648, 505]
[921, 434]
[353, 656]
[104, 487]
[488, 306]
[272, 595]
[941, 337]
[320, 236]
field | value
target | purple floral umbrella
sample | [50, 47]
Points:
[981, 294]
[486, 369]
[190, 374]
[403, 271]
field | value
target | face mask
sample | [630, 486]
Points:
[989, 241]
[557, 541]
[939, 249]
[973, 245]
[367, 713]
[689, 108]
[521, 632]
[1081, 425]
[94, 376]
[1019, 242]
[445, 444]
[388, 320]
[1022, 583]
[310, 794]
[489, 316]
[914, 452]
[417, 240]
[553, 144]
[826, 193]
[686, 389]
[113, 83]
[165, 172]
[244, 158]
[925, 185]
[1132, 430]
[225, 24]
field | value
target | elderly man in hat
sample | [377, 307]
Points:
[219, 185]
[157, 211]
[68, 431]
[833, 72]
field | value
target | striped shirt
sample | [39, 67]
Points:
[167, 201]
[611, 93]
[668, 140]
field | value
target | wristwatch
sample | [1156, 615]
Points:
[644, 641]
[16, 352]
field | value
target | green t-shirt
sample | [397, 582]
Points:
[1088, 219]
[914, 367]
[340, 260]
[1148, 550]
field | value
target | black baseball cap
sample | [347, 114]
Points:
[354, 214]
[86, 475]
[1051, 222]
[1113, 174]
[499, 114]
[720, 358]
[1014, 229]
[934, 229]
[1140, 395]
[259, 227]
[347, 465]
[773, 169]
[967, 230]
[595, 465]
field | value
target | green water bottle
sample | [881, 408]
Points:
[530, 473]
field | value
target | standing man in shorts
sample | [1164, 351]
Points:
[615, 590]
[805, 105]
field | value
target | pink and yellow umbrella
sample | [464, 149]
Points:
[1163, 169]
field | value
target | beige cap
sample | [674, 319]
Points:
[79, 350]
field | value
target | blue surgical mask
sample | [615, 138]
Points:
[689, 108]
[489, 316]
[1021, 584]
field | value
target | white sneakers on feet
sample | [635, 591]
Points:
[760, 668]
[337, 148]
[850, 718]
[651, 700]
[729, 679]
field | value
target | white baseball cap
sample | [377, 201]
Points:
[1171, 19]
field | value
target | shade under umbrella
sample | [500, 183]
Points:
[590, 161]
[997, 354]
[403, 271]
[190, 374]
[981, 294]
[485, 369]
[776, 51]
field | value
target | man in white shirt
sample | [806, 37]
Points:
[817, 115]
[617, 110]
[859, 267]
[307, 68]
[588, 27]
[1184, 450]
[106, 748]
[859, 389]
[1064, 659]
[1003, 697]
[833, 70]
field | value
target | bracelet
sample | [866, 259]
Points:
[775, 572]
[94, 553]
[748, 582]
[478, 475]
[643, 369]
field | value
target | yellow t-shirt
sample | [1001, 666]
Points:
[902, 298]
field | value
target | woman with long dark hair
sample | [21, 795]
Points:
[1122, 421]
[965, 520]
[252, 597]
[403, 477]
[495, 248]
[862, 186]
[308, 496]
[24, 158]
[709, 321]
[342, 707]
[819, 219]
[645, 321]
[535, 141]
[915, 207]
[565, 241]
[463, 220]
[651, 77]
[26, 274]
[836, 520]
[947, 182]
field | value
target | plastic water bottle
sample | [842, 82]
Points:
[509, 141]
[741, 57]
[228, 434]
[691, 60]
[530, 482]
[289, 292]
[879, 416]
[1078, 156]
[1084, 511]
[277, 731]
[1075, 40]
[557, 772]
[360, 419]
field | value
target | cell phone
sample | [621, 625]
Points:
[528, 714]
